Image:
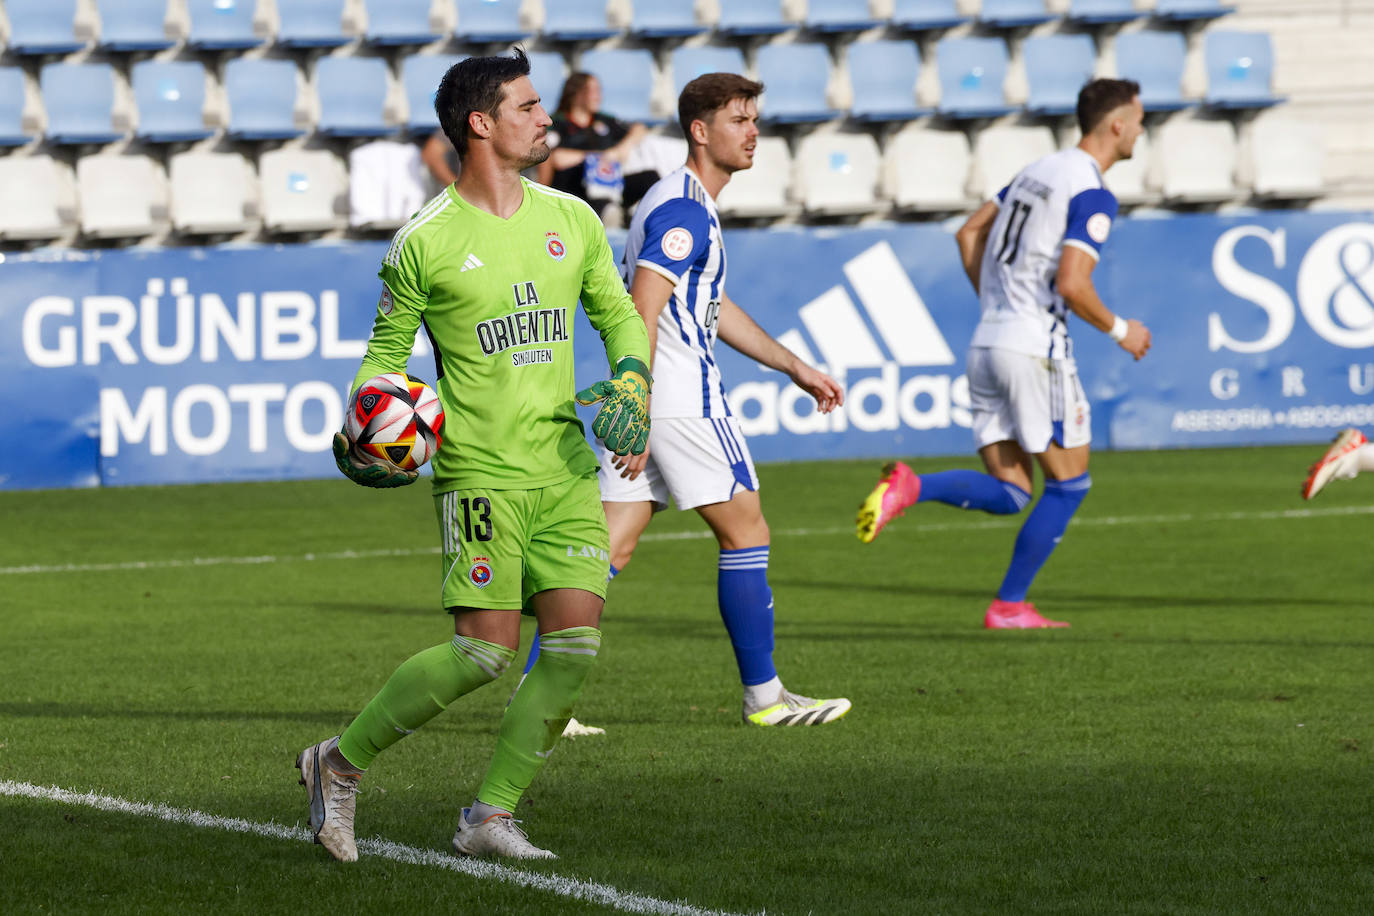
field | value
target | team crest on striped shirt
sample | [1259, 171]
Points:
[554, 246]
[479, 573]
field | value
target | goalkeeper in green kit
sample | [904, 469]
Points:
[493, 268]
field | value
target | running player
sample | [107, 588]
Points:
[1030, 255]
[1349, 454]
[674, 266]
[493, 267]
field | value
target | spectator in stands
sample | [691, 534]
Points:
[441, 159]
[1348, 455]
[589, 147]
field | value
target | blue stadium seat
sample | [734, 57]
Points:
[689, 63]
[1183, 10]
[222, 24]
[920, 15]
[399, 22]
[751, 17]
[548, 71]
[665, 19]
[133, 25]
[79, 99]
[972, 71]
[883, 75]
[352, 93]
[490, 21]
[43, 26]
[311, 23]
[627, 82]
[12, 132]
[262, 98]
[839, 16]
[1097, 12]
[1057, 66]
[1155, 60]
[1240, 70]
[170, 96]
[1011, 14]
[796, 77]
[577, 20]
[420, 76]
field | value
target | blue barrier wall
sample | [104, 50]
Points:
[188, 364]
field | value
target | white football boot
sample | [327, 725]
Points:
[333, 798]
[498, 835]
[1339, 462]
[794, 709]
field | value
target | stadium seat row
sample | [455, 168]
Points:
[356, 96]
[62, 26]
[831, 174]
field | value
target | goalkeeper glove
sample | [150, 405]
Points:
[623, 421]
[368, 473]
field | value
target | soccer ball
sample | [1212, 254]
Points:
[395, 418]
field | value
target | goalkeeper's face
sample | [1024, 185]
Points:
[520, 130]
[732, 133]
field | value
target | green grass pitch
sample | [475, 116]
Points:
[1198, 742]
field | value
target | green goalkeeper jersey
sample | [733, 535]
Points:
[497, 298]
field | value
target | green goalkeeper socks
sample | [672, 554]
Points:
[535, 718]
[420, 689]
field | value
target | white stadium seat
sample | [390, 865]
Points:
[1194, 161]
[761, 190]
[212, 193]
[121, 196]
[837, 173]
[40, 197]
[1000, 152]
[927, 169]
[303, 191]
[1283, 158]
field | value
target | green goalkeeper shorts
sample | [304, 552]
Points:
[501, 547]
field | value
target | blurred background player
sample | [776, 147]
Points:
[1348, 455]
[494, 267]
[674, 265]
[1030, 255]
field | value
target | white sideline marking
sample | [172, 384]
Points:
[477, 868]
[913, 528]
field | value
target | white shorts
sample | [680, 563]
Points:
[697, 461]
[1029, 399]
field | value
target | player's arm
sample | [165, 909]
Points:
[1089, 223]
[973, 238]
[623, 421]
[399, 311]
[743, 333]
[650, 291]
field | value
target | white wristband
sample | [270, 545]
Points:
[1119, 329]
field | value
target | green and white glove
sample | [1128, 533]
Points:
[623, 421]
[366, 472]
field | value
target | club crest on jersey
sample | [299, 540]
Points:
[1099, 227]
[554, 246]
[677, 243]
[384, 304]
[479, 573]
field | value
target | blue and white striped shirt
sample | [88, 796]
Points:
[676, 233]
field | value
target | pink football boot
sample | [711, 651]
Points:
[898, 489]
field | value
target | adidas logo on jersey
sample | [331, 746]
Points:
[874, 400]
[472, 263]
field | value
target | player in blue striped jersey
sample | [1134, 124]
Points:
[675, 268]
[1030, 255]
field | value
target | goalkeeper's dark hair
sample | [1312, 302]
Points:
[709, 93]
[1100, 98]
[475, 84]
